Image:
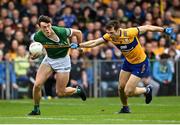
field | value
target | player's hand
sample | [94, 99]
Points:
[74, 45]
[33, 57]
[168, 30]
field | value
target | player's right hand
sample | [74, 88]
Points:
[33, 57]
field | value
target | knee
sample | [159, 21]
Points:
[37, 86]
[129, 92]
[121, 88]
[60, 93]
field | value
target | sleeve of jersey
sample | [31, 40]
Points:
[106, 37]
[130, 32]
[35, 38]
[68, 32]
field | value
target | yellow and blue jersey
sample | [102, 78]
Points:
[129, 44]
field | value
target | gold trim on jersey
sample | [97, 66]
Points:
[56, 46]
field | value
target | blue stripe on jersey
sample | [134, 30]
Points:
[128, 47]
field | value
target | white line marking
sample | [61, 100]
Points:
[160, 121]
[73, 119]
[39, 118]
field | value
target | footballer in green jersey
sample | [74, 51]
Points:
[56, 42]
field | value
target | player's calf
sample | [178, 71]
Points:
[61, 93]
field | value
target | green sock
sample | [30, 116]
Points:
[78, 90]
[36, 108]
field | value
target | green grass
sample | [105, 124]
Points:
[163, 110]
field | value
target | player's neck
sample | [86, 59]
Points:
[51, 34]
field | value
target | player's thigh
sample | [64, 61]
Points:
[123, 78]
[132, 83]
[43, 74]
[62, 79]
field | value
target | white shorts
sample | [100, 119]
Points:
[59, 64]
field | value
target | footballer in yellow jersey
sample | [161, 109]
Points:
[136, 64]
[129, 45]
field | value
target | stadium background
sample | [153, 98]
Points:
[96, 69]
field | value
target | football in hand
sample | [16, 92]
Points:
[36, 49]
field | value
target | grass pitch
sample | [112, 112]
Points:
[163, 110]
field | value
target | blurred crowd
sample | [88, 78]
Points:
[18, 24]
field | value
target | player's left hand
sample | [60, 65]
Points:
[168, 30]
[74, 45]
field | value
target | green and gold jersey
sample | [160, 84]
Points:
[54, 49]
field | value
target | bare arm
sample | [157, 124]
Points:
[78, 34]
[92, 43]
[151, 28]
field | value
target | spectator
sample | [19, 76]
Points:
[138, 15]
[4, 13]
[1, 29]
[2, 45]
[150, 79]
[13, 50]
[26, 27]
[129, 10]
[161, 48]
[8, 36]
[12, 77]
[175, 8]
[15, 16]
[168, 18]
[101, 16]
[20, 37]
[142, 40]
[2, 76]
[109, 75]
[178, 42]
[155, 11]
[52, 12]
[95, 53]
[21, 66]
[163, 74]
[68, 17]
[78, 75]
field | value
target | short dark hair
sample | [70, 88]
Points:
[164, 56]
[113, 23]
[43, 18]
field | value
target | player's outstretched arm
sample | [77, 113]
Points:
[88, 44]
[145, 28]
[151, 28]
[92, 43]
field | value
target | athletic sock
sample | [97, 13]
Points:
[78, 90]
[147, 90]
[125, 106]
[36, 108]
